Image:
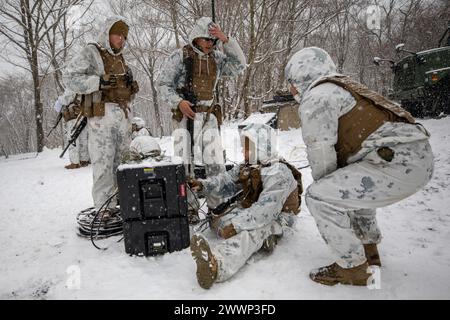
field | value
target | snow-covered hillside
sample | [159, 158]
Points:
[40, 253]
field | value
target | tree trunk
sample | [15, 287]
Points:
[174, 16]
[155, 100]
[251, 58]
[39, 113]
[290, 34]
[4, 151]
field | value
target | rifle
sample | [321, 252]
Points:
[282, 98]
[58, 120]
[221, 208]
[213, 11]
[187, 93]
[76, 131]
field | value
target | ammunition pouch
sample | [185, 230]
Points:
[116, 86]
[215, 109]
[134, 87]
[217, 112]
[71, 112]
[122, 93]
[94, 104]
[177, 115]
[250, 178]
[292, 203]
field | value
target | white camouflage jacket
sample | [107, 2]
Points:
[277, 180]
[64, 100]
[82, 74]
[321, 107]
[230, 63]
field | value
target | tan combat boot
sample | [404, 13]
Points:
[206, 263]
[334, 274]
[72, 166]
[85, 163]
[372, 255]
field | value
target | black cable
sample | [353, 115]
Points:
[197, 202]
[203, 222]
[104, 205]
[298, 168]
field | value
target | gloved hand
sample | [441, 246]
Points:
[195, 185]
[134, 87]
[129, 78]
[108, 81]
[228, 231]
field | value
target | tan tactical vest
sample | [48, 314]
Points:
[94, 104]
[250, 178]
[204, 74]
[371, 111]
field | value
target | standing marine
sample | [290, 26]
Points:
[187, 84]
[100, 74]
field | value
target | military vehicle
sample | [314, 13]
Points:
[422, 79]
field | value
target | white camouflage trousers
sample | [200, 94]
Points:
[208, 150]
[233, 253]
[79, 152]
[109, 138]
[344, 202]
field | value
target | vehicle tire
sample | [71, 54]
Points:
[415, 108]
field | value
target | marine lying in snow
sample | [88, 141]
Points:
[365, 153]
[270, 197]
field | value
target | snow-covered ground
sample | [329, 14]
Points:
[41, 255]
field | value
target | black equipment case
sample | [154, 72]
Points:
[153, 206]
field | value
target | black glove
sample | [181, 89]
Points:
[108, 81]
[129, 78]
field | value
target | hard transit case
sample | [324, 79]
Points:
[153, 206]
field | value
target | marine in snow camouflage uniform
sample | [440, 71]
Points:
[78, 154]
[246, 227]
[352, 178]
[100, 74]
[207, 70]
